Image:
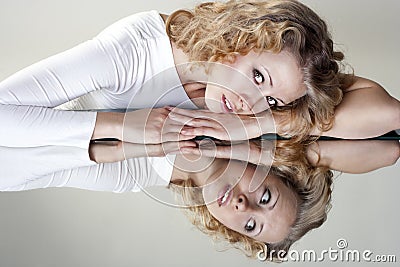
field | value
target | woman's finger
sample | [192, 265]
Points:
[179, 118]
[176, 136]
[211, 153]
[224, 152]
[189, 112]
[171, 128]
[198, 122]
[172, 147]
[206, 131]
[244, 151]
[131, 150]
[189, 120]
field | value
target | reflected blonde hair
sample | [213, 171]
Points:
[218, 31]
[311, 184]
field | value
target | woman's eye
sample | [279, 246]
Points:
[271, 101]
[250, 225]
[258, 77]
[266, 197]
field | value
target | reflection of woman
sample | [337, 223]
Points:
[239, 215]
[288, 203]
[348, 156]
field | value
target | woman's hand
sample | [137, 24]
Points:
[145, 126]
[256, 152]
[152, 126]
[223, 126]
[114, 151]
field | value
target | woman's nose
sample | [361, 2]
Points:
[252, 106]
[244, 105]
[241, 203]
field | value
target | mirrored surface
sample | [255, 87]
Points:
[72, 227]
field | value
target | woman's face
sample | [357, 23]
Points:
[265, 214]
[254, 82]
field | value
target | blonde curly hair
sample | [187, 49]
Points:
[311, 184]
[217, 31]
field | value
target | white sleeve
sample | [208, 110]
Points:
[28, 126]
[128, 175]
[27, 98]
[105, 63]
[25, 164]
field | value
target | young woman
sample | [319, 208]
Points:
[307, 92]
[283, 206]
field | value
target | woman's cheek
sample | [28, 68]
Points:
[217, 213]
[260, 106]
[212, 98]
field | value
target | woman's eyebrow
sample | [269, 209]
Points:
[270, 79]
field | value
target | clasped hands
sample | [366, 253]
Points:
[169, 130]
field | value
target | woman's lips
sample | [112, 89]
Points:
[224, 196]
[226, 105]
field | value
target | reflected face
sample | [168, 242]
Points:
[265, 214]
[254, 82]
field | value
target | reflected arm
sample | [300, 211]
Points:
[354, 156]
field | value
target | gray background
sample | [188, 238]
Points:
[71, 227]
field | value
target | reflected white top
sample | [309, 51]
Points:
[128, 65]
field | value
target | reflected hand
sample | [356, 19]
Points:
[256, 152]
[114, 151]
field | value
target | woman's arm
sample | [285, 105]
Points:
[49, 83]
[121, 167]
[118, 177]
[115, 151]
[144, 126]
[354, 156]
[20, 165]
[350, 156]
[367, 110]
[29, 125]
[27, 118]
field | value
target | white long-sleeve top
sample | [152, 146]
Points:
[128, 65]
